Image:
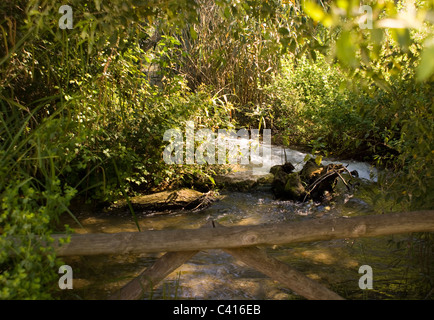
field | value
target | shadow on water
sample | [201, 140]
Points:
[213, 274]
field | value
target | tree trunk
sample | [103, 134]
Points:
[280, 271]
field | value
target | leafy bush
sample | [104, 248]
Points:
[32, 199]
[310, 105]
[79, 118]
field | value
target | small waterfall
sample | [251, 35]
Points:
[297, 159]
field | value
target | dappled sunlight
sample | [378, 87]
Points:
[328, 256]
[229, 279]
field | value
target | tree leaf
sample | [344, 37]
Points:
[346, 50]
[283, 31]
[402, 36]
[193, 33]
[426, 66]
[98, 5]
[227, 13]
[313, 10]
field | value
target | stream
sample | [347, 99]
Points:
[213, 274]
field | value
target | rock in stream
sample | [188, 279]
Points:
[314, 181]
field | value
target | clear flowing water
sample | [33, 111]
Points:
[213, 274]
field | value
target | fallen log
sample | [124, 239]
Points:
[281, 272]
[245, 236]
[148, 279]
[169, 200]
[252, 256]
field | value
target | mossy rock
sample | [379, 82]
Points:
[243, 181]
[266, 180]
[275, 169]
[279, 183]
[287, 168]
[294, 189]
[311, 171]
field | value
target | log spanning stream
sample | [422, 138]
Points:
[214, 274]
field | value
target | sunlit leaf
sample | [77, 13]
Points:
[193, 33]
[98, 4]
[402, 37]
[346, 50]
[426, 66]
[313, 10]
[343, 4]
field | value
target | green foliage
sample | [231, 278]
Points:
[372, 100]
[235, 48]
[357, 46]
[27, 265]
[32, 198]
[76, 108]
[311, 106]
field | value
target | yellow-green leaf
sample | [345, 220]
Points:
[193, 33]
[426, 66]
[98, 5]
[313, 10]
[346, 50]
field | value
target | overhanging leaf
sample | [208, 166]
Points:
[313, 10]
[346, 50]
[426, 66]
